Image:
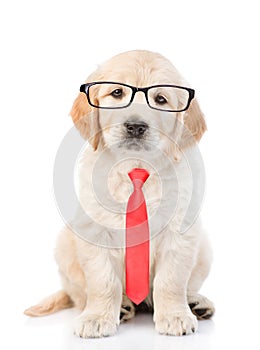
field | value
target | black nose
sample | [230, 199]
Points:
[136, 129]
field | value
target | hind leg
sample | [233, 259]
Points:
[72, 276]
[127, 309]
[201, 307]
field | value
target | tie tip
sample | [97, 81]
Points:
[135, 299]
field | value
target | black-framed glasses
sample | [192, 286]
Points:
[163, 97]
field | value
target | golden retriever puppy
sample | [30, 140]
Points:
[135, 110]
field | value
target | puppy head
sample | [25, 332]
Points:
[136, 127]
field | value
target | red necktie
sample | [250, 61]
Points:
[137, 240]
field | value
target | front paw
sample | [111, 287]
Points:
[93, 326]
[179, 323]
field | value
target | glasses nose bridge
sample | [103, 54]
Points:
[138, 89]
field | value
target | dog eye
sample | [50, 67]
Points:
[161, 100]
[117, 93]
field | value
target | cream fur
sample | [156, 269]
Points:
[93, 274]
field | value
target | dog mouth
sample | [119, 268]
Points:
[134, 144]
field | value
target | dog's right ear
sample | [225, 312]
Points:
[86, 119]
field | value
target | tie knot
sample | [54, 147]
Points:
[138, 176]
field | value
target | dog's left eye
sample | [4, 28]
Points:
[117, 93]
[160, 99]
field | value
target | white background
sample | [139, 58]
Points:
[47, 50]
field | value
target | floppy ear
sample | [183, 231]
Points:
[194, 124]
[85, 118]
